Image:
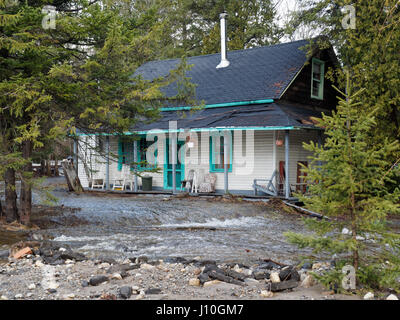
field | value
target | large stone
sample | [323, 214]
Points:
[369, 296]
[392, 297]
[125, 292]
[266, 294]
[211, 283]
[203, 277]
[146, 266]
[70, 255]
[308, 281]
[261, 274]
[274, 276]
[153, 291]
[194, 282]
[96, 280]
[289, 273]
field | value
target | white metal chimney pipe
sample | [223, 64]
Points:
[224, 61]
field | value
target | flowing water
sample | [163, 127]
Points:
[161, 227]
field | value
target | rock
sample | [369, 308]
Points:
[197, 271]
[284, 285]
[203, 277]
[306, 265]
[211, 283]
[289, 273]
[140, 296]
[21, 253]
[125, 292]
[122, 269]
[116, 276]
[3, 297]
[29, 294]
[70, 255]
[84, 283]
[51, 290]
[146, 266]
[346, 231]
[269, 265]
[317, 265]
[69, 296]
[251, 281]
[307, 282]
[153, 291]
[4, 254]
[39, 263]
[369, 296]
[392, 297]
[266, 294]
[175, 260]
[274, 276]
[32, 286]
[104, 265]
[18, 296]
[261, 274]
[107, 296]
[96, 280]
[68, 261]
[194, 282]
[142, 259]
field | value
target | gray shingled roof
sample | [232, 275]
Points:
[277, 114]
[253, 74]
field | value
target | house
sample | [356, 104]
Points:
[259, 105]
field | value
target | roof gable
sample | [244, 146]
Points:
[253, 74]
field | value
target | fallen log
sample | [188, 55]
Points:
[74, 184]
[284, 285]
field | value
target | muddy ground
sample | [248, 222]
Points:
[111, 230]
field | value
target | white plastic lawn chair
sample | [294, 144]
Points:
[119, 181]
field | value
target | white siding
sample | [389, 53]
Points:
[239, 180]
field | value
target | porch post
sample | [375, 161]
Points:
[226, 160]
[108, 163]
[173, 144]
[135, 188]
[287, 173]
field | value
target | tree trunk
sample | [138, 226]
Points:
[42, 167]
[48, 167]
[26, 190]
[11, 210]
[56, 173]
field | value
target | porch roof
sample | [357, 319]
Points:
[277, 115]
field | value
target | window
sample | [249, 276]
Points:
[217, 156]
[125, 153]
[317, 79]
[143, 146]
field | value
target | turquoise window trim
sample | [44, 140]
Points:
[320, 95]
[212, 156]
[139, 159]
[122, 152]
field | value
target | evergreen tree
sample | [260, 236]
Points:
[349, 177]
[78, 75]
[370, 49]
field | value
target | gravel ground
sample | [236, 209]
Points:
[31, 279]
